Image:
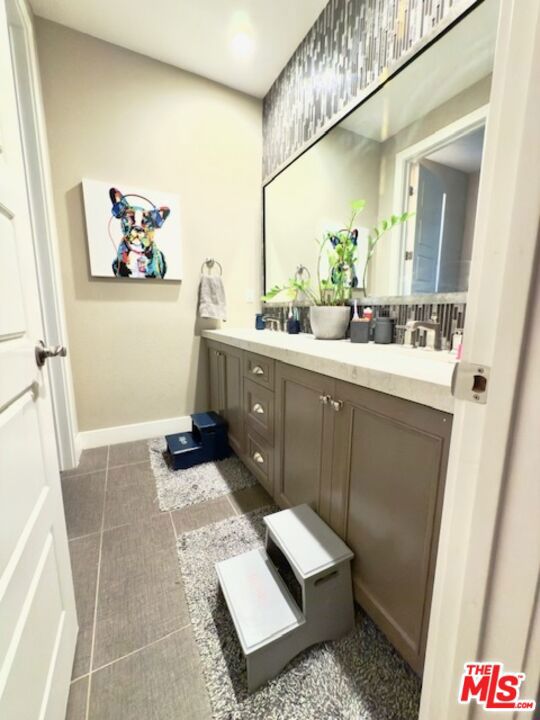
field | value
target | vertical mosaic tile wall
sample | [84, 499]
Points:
[352, 47]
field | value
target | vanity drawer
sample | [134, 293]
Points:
[259, 369]
[259, 409]
[259, 458]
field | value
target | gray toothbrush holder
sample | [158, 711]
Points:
[384, 330]
[359, 331]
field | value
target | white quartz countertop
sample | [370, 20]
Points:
[423, 376]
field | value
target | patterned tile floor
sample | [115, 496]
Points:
[136, 657]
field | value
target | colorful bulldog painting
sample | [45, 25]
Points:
[133, 232]
[137, 254]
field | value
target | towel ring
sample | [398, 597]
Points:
[210, 263]
[300, 271]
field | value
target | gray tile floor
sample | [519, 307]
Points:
[136, 657]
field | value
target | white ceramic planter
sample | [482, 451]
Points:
[329, 322]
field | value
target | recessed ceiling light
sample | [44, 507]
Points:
[242, 44]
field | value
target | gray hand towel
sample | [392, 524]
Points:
[212, 303]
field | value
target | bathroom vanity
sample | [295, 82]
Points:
[359, 433]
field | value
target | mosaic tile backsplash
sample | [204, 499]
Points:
[352, 47]
[450, 316]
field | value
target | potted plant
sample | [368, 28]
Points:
[330, 310]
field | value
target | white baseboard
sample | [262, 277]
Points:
[128, 433]
[77, 443]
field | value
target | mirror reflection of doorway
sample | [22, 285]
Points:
[443, 191]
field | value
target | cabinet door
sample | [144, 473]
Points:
[303, 438]
[225, 371]
[390, 458]
[232, 393]
[216, 375]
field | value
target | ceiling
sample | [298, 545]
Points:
[463, 154]
[241, 43]
[432, 79]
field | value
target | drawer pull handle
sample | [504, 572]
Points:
[324, 399]
[257, 370]
[258, 408]
[337, 404]
[258, 458]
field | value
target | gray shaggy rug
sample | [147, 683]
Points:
[359, 677]
[179, 488]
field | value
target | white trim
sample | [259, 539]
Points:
[439, 249]
[505, 247]
[43, 222]
[128, 433]
[464, 125]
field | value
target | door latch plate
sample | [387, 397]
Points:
[470, 381]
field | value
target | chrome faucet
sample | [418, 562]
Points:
[430, 325]
[273, 322]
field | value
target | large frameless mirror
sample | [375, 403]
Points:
[415, 146]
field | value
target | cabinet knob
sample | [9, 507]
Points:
[258, 408]
[324, 399]
[257, 370]
[336, 404]
[258, 458]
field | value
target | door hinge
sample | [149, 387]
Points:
[408, 254]
[411, 190]
[470, 382]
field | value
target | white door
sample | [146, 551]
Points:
[440, 223]
[428, 231]
[38, 624]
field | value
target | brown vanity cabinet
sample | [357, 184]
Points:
[226, 366]
[303, 438]
[372, 465]
[389, 468]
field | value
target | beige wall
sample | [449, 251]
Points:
[117, 116]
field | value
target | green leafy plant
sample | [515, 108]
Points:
[288, 293]
[341, 250]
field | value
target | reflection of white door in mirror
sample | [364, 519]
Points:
[438, 231]
[429, 231]
[438, 177]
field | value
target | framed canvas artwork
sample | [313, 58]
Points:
[132, 232]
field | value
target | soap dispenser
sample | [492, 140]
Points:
[293, 324]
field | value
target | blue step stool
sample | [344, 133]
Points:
[206, 441]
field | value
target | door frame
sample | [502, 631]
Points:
[462, 126]
[43, 224]
[505, 253]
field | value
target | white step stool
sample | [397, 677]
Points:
[276, 613]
